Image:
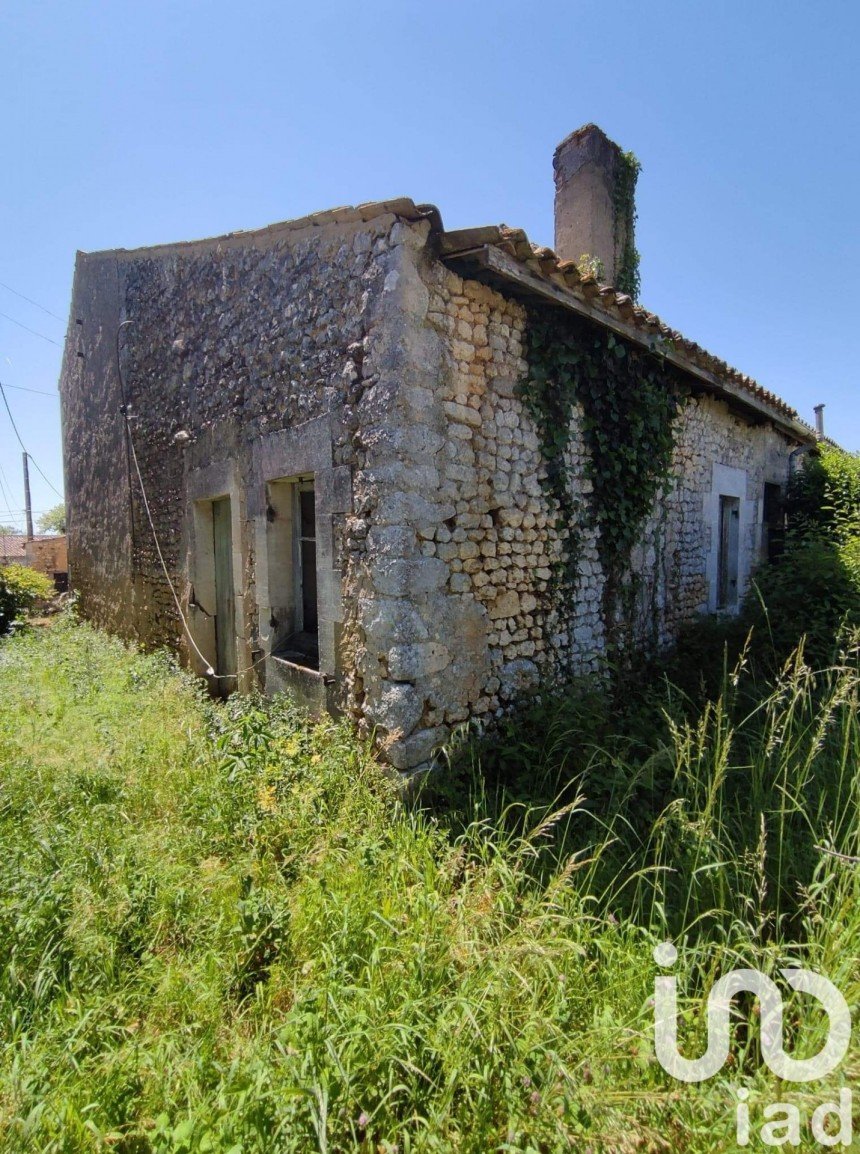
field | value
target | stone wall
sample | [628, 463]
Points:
[464, 617]
[716, 451]
[244, 359]
[49, 555]
[350, 352]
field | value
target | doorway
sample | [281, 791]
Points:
[225, 597]
[730, 524]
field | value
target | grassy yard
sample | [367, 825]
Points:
[222, 930]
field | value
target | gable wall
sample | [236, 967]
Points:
[246, 359]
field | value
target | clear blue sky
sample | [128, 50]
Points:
[130, 124]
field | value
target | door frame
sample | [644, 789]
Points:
[226, 655]
[204, 486]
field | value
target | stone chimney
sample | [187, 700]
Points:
[594, 215]
[819, 422]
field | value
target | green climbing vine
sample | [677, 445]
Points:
[629, 398]
[626, 176]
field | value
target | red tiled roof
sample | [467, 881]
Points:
[604, 303]
[13, 546]
[546, 265]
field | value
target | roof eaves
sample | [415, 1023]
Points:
[507, 254]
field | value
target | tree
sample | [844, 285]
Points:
[53, 520]
[10, 531]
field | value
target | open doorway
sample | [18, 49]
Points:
[728, 565]
[225, 596]
[292, 577]
[213, 595]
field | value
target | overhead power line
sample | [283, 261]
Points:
[6, 493]
[19, 513]
[39, 392]
[27, 329]
[23, 446]
[29, 300]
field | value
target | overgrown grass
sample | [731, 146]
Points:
[221, 929]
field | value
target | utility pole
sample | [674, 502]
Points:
[28, 507]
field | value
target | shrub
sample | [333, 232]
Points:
[823, 498]
[20, 589]
[813, 589]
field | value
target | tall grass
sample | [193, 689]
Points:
[222, 929]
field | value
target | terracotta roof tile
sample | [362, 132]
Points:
[542, 261]
[13, 546]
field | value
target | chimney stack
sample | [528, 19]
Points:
[819, 422]
[594, 212]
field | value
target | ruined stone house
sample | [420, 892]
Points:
[345, 483]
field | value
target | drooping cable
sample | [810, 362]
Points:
[210, 672]
[29, 300]
[132, 461]
[27, 329]
[38, 392]
[24, 447]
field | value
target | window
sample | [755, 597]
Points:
[773, 523]
[292, 575]
[727, 565]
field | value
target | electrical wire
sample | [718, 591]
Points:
[20, 512]
[131, 459]
[29, 300]
[23, 446]
[27, 329]
[7, 496]
[39, 392]
[210, 672]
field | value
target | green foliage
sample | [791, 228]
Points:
[53, 520]
[629, 399]
[809, 595]
[813, 589]
[20, 590]
[627, 279]
[671, 782]
[824, 496]
[223, 931]
[589, 265]
[10, 531]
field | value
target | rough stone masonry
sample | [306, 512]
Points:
[342, 482]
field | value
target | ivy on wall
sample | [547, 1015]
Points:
[629, 399]
[626, 175]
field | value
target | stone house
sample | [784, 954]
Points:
[47, 554]
[318, 432]
[13, 549]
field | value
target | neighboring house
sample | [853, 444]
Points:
[49, 555]
[13, 550]
[351, 495]
[46, 554]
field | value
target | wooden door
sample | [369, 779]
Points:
[730, 523]
[225, 600]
